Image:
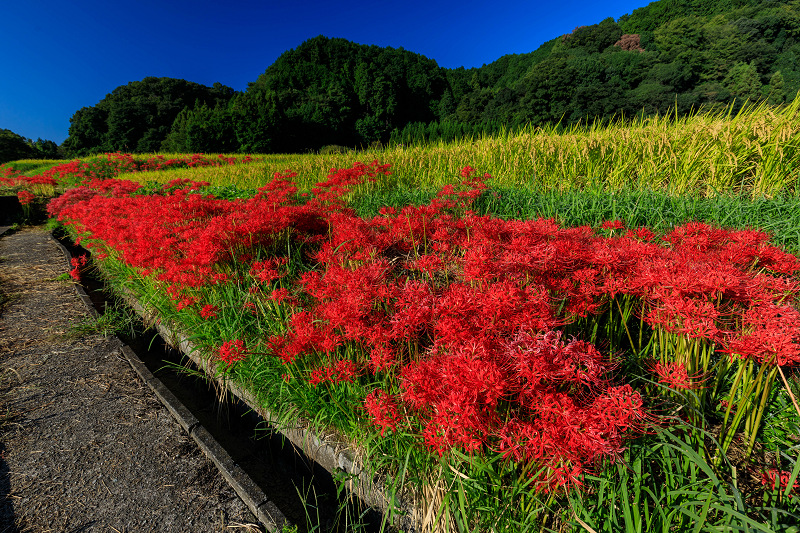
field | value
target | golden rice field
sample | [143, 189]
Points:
[754, 152]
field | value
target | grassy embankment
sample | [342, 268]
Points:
[734, 171]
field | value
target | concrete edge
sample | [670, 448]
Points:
[251, 494]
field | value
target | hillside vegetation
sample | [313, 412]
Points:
[672, 54]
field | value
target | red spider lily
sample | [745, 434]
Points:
[328, 195]
[544, 360]
[382, 410]
[675, 376]
[195, 233]
[264, 271]
[276, 345]
[612, 224]
[642, 234]
[185, 302]
[209, 311]
[25, 197]
[689, 317]
[320, 375]
[565, 437]
[771, 335]
[382, 357]
[78, 263]
[281, 296]
[778, 479]
[113, 164]
[232, 351]
[564, 413]
[460, 306]
[341, 371]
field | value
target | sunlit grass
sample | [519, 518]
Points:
[35, 165]
[751, 153]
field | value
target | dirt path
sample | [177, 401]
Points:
[84, 446]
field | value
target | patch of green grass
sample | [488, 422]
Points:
[33, 167]
[664, 485]
[116, 319]
[64, 276]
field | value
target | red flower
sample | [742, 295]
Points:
[613, 224]
[674, 375]
[775, 479]
[232, 351]
[280, 296]
[343, 370]
[77, 265]
[209, 311]
[467, 172]
[382, 409]
[264, 271]
[25, 197]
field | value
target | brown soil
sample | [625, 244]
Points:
[84, 445]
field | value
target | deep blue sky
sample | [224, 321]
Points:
[57, 56]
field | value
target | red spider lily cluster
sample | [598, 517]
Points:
[25, 197]
[93, 172]
[458, 314]
[209, 311]
[778, 479]
[10, 178]
[382, 410]
[78, 264]
[13, 178]
[232, 351]
[673, 374]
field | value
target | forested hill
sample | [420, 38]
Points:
[333, 91]
[684, 53]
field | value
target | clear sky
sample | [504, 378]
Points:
[57, 56]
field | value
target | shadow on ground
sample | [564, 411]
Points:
[8, 522]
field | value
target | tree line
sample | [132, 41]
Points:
[14, 147]
[670, 56]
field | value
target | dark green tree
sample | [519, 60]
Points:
[546, 92]
[137, 117]
[175, 141]
[259, 123]
[743, 82]
[88, 130]
[211, 130]
[46, 149]
[332, 91]
[594, 38]
[775, 91]
[13, 147]
[669, 55]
